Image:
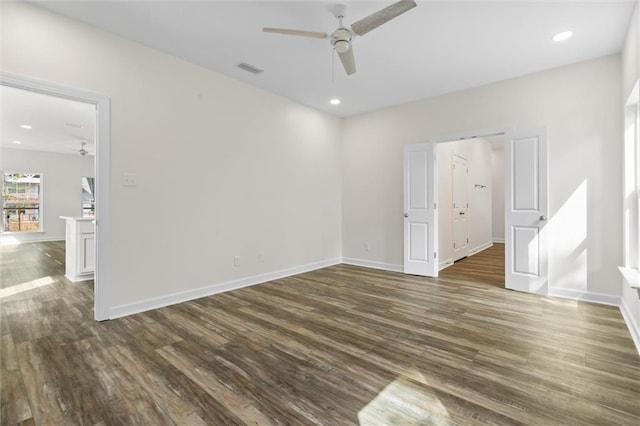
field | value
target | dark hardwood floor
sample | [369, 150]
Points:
[486, 267]
[342, 345]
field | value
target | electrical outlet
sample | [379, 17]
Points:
[367, 246]
[129, 179]
[260, 257]
[236, 261]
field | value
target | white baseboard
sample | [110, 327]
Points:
[373, 264]
[632, 325]
[480, 248]
[445, 264]
[498, 240]
[448, 262]
[584, 296]
[78, 278]
[184, 296]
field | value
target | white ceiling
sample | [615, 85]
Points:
[57, 125]
[435, 48]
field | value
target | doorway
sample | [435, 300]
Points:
[525, 207]
[471, 196]
[100, 107]
[466, 197]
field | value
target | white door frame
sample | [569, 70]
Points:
[102, 167]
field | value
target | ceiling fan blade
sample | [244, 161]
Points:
[348, 61]
[382, 16]
[300, 33]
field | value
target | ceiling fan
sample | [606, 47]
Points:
[342, 38]
[82, 151]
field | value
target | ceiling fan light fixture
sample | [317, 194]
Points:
[342, 46]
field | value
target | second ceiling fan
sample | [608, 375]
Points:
[341, 39]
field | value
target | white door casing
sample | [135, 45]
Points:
[420, 214]
[102, 167]
[460, 180]
[526, 210]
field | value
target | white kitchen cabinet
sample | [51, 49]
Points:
[80, 247]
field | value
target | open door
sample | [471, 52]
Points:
[420, 218]
[526, 266]
[460, 207]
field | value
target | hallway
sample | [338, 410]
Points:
[486, 267]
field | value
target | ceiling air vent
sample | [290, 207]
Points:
[250, 68]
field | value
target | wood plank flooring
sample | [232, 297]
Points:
[338, 346]
[485, 267]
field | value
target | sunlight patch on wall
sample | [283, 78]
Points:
[569, 248]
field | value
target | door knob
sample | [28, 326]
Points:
[543, 218]
[461, 213]
[406, 215]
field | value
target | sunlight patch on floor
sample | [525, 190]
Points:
[26, 286]
[568, 303]
[404, 403]
[7, 240]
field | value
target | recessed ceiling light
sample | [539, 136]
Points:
[17, 142]
[565, 35]
[335, 101]
[26, 126]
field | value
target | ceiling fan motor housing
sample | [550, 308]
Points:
[341, 40]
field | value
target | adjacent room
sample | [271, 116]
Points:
[371, 212]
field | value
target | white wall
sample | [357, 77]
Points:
[579, 103]
[497, 191]
[477, 152]
[630, 75]
[61, 187]
[262, 172]
[631, 53]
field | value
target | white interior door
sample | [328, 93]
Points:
[460, 207]
[420, 218]
[526, 211]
